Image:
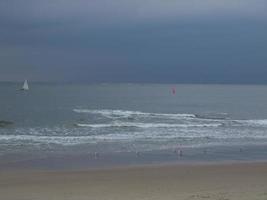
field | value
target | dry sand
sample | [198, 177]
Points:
[185, 182]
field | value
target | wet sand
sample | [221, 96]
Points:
[238, 181]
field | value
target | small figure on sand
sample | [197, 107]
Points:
[178, 151]
[96, 155]
[138, 154]
[205, 151]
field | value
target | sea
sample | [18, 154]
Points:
[70, 126]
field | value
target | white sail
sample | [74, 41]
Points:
[25, 85]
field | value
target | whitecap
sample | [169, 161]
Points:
[146, 125]
[252, 122]
[128, 114]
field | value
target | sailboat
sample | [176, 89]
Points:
[25, 85]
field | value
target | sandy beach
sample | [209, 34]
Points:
[199, 181]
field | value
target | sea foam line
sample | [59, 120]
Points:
[127, 113]
[146, 125]
[251, 122]
[76, 140]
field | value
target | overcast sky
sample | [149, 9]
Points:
[158, 41]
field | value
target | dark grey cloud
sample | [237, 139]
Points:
[134, 41]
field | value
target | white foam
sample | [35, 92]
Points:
[151, 132]
[254, 123]
[127, 113]
[62, 140]
[147, 125]
[261, 122]
[137, 135]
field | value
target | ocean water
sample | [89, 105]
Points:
[206, 122]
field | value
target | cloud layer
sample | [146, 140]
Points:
[134, 41]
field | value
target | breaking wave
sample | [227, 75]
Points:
[128, 114]
[146, 125]
[149, 128]
[186, 120]
[252, 123]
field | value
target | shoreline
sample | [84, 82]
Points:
[195, 164]
[183, 181]
[89, 160]
[115, 167]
